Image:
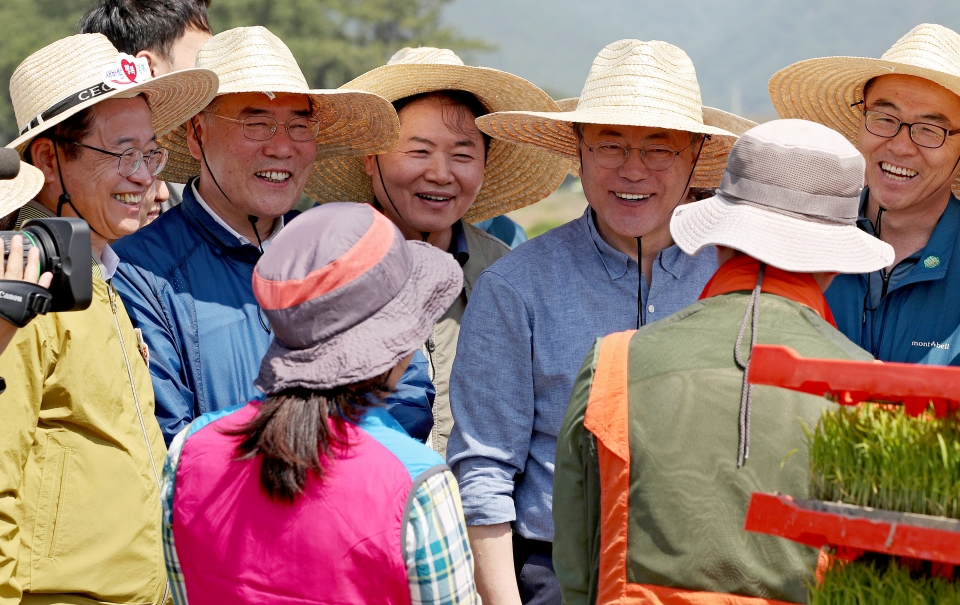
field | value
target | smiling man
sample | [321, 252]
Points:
[186, 277]
[904, 121]
[535, 313]
[443, 170]
[78, 414]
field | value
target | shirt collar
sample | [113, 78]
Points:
[458, 243]
[672, 259]
[243, 240]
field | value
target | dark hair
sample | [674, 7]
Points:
[292, 432]
[74, 128]
[462, 103]
[136, 25]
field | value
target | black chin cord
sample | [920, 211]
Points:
[423, 234]
[641, 320]
[65, 197]
[253, 219]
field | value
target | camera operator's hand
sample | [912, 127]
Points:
[15, 270]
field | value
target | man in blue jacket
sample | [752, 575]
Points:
[186, 278]
[904, 122]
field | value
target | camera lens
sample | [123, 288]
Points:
[32, 238]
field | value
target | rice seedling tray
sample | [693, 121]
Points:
[848, 382]
[854, 530]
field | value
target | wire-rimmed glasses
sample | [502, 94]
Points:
[131, 158]
[262, 128]
[655, 157]
[887, 126]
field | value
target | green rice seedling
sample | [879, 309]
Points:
[880, 583]
[879, 456]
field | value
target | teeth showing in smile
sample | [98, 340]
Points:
[274, 177]
[631, 196]
[130, 199]
[897, 173]
[432, 198]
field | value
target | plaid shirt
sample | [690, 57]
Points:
[436, 549]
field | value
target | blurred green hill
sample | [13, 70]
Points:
[736, 45]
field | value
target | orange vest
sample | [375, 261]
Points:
[606, 418]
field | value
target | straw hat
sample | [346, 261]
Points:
[72, 74]
[347, 297]
[16, 192]
[823, 90]
[252, 59]
[789, 198]
[631, 83]
[514, 176]
[711, 117]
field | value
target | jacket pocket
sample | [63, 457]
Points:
[50, 504]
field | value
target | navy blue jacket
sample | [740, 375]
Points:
[186, 283]
[918, 320]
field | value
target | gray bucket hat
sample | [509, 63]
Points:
[347, 297]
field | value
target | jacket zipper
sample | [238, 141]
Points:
[136, 400]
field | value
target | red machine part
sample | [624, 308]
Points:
[852, 382]
[854, 530]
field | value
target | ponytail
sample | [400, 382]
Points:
[296, 429]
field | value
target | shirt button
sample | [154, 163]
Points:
[651, 309]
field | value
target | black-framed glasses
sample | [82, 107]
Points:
[654, 157]
[262, 128]
[131, 158]
[887, 126]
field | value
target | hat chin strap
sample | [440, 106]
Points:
[423, 234]
[65, 197]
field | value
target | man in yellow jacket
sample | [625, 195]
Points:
[80, 449]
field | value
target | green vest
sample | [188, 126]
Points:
[687, 498]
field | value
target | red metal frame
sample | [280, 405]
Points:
[851, 536]
[852, 382]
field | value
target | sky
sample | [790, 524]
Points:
[736, 45]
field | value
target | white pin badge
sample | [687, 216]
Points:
[127, 71]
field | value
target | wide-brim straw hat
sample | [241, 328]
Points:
[631, 83]
[824, 90]
[711, 117]
[66, 77]
[252, 59]
[16, 192]
[514, 176]
[347, 297]
[789, 197]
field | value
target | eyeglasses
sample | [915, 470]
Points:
[654, 157]
[131, 159]
[887, 126]
[262, 128]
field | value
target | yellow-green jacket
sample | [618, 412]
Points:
[80, 458]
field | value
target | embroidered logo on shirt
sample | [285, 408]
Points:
[931, 261]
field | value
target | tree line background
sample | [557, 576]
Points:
[333, 40]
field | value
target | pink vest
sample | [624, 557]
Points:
[340, 542]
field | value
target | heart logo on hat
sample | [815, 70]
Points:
[129, 70]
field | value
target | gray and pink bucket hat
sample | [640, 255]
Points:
[347, 297]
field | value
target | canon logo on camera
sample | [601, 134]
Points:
[8, 296]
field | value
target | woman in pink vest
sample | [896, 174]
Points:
[315, 494]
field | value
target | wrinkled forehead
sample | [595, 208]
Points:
[924, 97]
[123, 121]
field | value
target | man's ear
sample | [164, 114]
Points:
[369, 165]
[157, 64]
[195, 127]
[44, 157]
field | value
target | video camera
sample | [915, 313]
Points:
[64, 245]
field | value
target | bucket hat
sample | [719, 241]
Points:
[77, 72]
[513, 177]
[19, 190]
[825, 90]
[347, 297]
[631, 83]
[789, 198]
[252, 59]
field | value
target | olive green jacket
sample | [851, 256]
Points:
[442, 347]
[80, 461]
[687, 498]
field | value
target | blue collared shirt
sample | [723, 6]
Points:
[532, 318]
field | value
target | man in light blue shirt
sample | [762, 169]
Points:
[536, 312]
